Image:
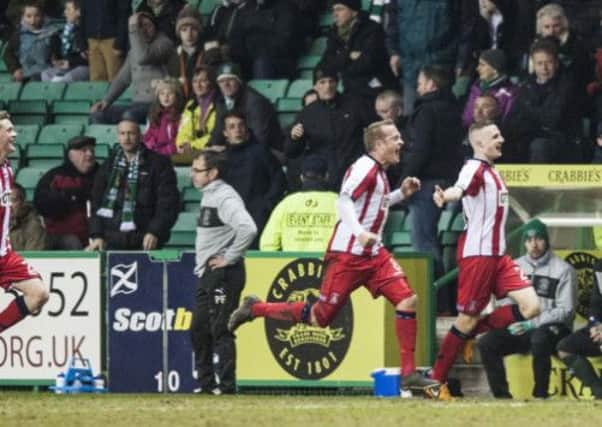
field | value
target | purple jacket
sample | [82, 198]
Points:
[502, 89]
[162, 139]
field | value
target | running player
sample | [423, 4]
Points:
[355, 255]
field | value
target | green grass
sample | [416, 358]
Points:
[45, 409]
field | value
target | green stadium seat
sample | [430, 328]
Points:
[28, 112]
[289, 105]
[58, 134]
[102, 152]
[305, 74]
[366, 5]
[286, 119]
[28, 177]
[125, 97]
[106, 134]
[271, 89]
[44, 155]
[27, 134]
[10, 91]
[445, 221]
[326, 20]
[394, 224]
[86, 91]
[5, 77]
[298, 88]
[71, 112]
[401, 241]
[318, 46]
[48, 91]
[207, 6]
[16, 158]
[183, 177]
[191, 197]
[308, 62]
[183, 233]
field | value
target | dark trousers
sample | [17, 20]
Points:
[218, 295]
[540, 342]
[579, 345]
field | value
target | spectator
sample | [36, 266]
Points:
[63, 194]
[259, 113]
[389, 106]
[14, 9]
[152, 56]
[164, 117]
[198, 118]
[253, 171]
[356, 49]
[303, 221]
[165, 13]
[492, 80]
[224, 231]
[572, 54]
[556, 284]
[105, 27]
[543, 113]
[262, 39]
[135, 197]
[27, 53]
[586, 342]
[220, 25]
[190, 50]
[26, 230]
[68, 55]
[331, 127]
[434, 155]
[421, 33]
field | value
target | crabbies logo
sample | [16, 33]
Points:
[304, 351]
[583, 263]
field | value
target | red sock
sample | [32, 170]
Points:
[15, 311]
[451, 345]
[499, 319]
[279, 310]
[405, 327]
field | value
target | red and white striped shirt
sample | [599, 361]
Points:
[485, 206]
[6, 185]
[366, 184]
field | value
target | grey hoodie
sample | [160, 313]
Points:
[555, 282]
[224, 226]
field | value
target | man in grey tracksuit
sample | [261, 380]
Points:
[555, 282]
[224, 231]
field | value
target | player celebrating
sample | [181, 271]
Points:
[355, 255]
[15, 273]
[484, 268]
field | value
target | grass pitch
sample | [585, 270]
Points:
[46, 409]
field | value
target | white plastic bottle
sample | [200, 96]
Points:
[59, 383]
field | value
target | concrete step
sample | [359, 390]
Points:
[471, 376]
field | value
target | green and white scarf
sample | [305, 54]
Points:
[121, 169]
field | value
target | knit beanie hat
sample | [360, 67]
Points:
[536, 228]
[188, 16]
[323, 71]
[495, 58]
[351, 4]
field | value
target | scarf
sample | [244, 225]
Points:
[67, 38]
[120, 170]
[205, 103]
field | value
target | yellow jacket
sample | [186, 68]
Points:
[301, 222]
[189, 127]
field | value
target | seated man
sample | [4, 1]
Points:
[135, 197]
[303, 221]
[26, 230]
[543, 112]
[253, 170]
[63, 193]
[555, 282]
[586, 342]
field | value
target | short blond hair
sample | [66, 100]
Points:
[554, 11]
[476, 127]
[374, 132]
